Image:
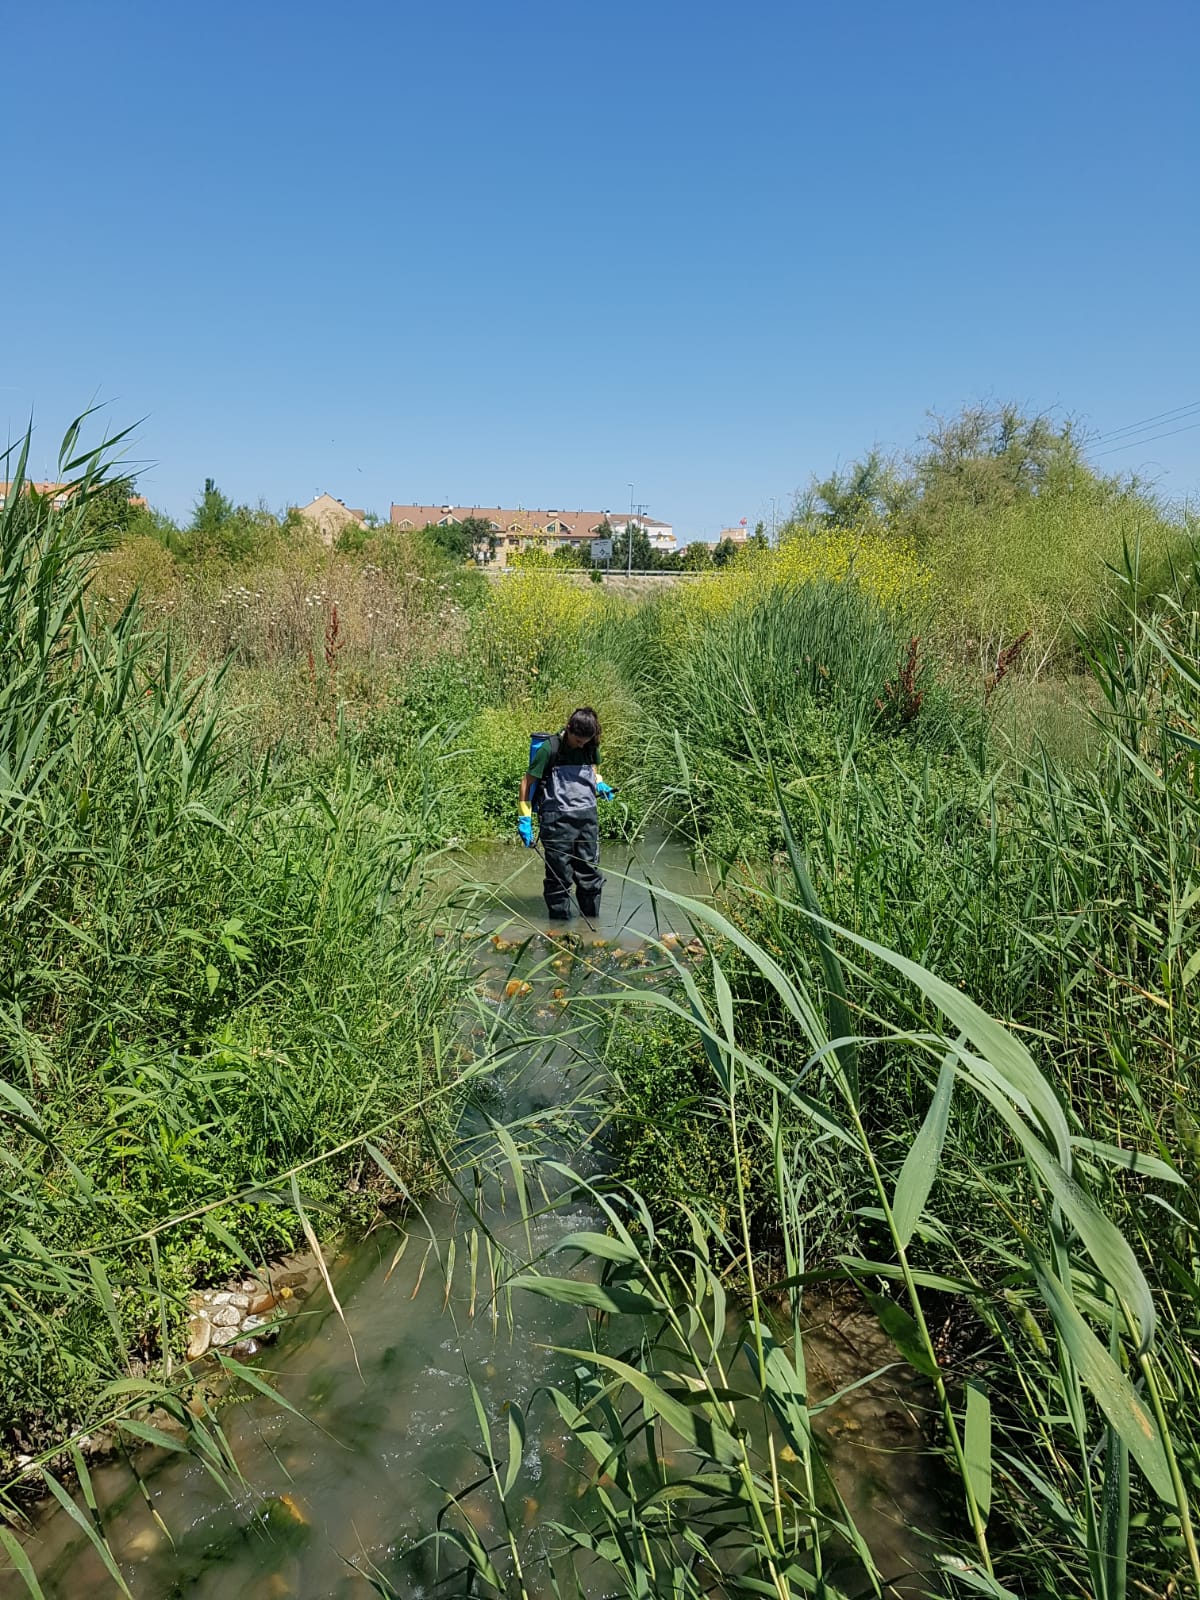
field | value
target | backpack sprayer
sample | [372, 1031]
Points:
[536, 741]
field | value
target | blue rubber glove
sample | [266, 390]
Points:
[604, 791]
[525, 829]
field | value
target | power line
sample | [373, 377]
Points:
[1153, 439]
[1174, 415]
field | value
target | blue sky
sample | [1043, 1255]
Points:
[530, 253]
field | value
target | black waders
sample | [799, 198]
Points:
[571, 846]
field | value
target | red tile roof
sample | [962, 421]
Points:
[569, 524]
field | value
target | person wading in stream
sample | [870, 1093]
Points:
[564, 782]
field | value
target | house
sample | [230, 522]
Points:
[512, 529]
[60, 492]
[329, 516]
[736, 535]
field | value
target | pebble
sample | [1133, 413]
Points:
[228, 1316]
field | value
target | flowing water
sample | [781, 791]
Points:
[390, 1401]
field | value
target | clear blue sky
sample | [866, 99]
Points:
[527, 253]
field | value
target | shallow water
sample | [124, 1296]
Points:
[389, 1399]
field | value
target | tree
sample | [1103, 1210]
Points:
[109, 510]
[210, 514]
[725, 553]
[221, 531]
[871, 490]
[993, 455]
[479, 537]
[643, 554]
[696, 557]
[473, 537]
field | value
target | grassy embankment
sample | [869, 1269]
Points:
[213, 972]
[842, 1102]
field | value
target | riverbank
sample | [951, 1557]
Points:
[216, 984]
[941, 1047]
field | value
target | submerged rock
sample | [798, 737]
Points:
[282, 1514]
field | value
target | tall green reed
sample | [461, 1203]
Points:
[1063, 898]
[690, 1401]
[211, 974]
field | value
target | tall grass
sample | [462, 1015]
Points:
[1063, 899]
[999, 1244]
[822, 670]
[210, 973]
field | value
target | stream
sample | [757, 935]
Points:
[347, 1491]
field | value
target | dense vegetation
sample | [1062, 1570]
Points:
[211, 972]
[943, 738]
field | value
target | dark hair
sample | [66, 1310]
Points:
[584, 724]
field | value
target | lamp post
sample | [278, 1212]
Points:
[629, 537]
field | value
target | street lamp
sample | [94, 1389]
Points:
[629, 537]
